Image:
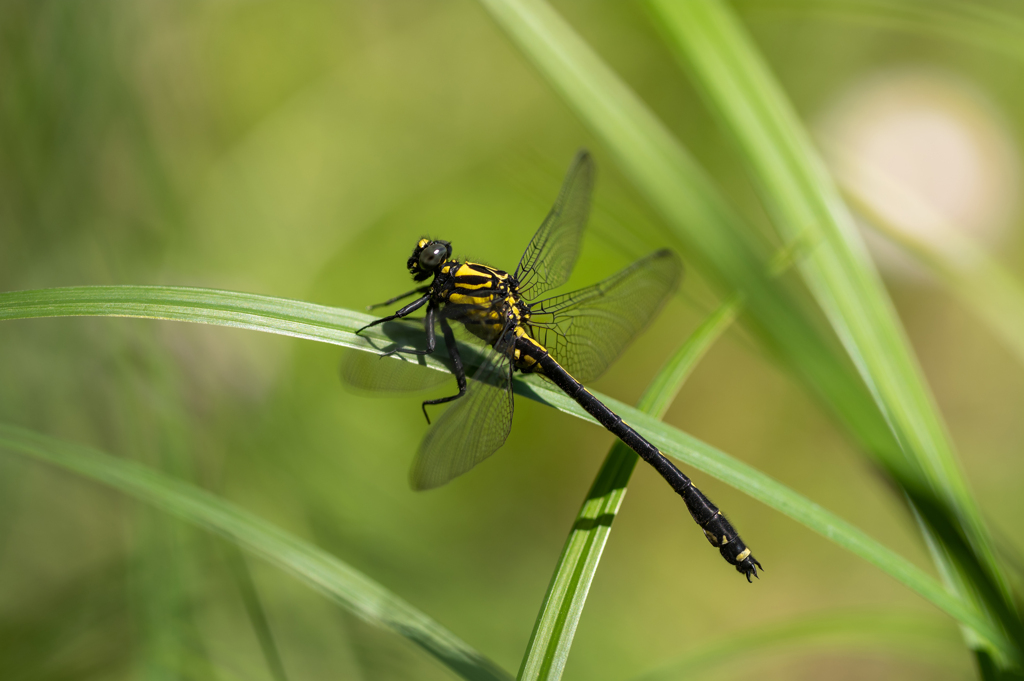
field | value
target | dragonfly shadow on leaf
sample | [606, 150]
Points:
[369, 372]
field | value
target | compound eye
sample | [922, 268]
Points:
[433, 255]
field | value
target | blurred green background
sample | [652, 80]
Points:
[299, 149]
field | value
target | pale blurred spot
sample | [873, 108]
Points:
[926, 158]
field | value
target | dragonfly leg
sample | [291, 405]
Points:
[404, 312]
[428, 324]
[389, 301]
[457, 368]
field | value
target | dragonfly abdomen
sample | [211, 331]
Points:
[718, 531]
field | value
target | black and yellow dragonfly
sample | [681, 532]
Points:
[569, 339]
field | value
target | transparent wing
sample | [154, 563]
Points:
[367, 371]
[472, 428]
[552, 252]
[587, 330]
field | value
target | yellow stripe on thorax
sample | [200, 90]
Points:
[474, 287]
[475, 301]
[470, 268]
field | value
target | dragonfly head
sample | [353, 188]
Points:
[427, 258]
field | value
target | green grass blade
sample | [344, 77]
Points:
[555, 627]
[205, 306]
[282, 316]
[331, 325]
[805, 206]
[349, 588]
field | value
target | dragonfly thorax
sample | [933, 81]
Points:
[484, 299]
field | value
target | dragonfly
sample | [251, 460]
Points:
[569, 339]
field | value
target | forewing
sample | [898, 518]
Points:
[552, 252]
[472, 428]
[586, 330]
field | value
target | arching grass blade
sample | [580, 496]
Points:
[337, 326]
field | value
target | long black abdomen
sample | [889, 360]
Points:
[716, 528]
